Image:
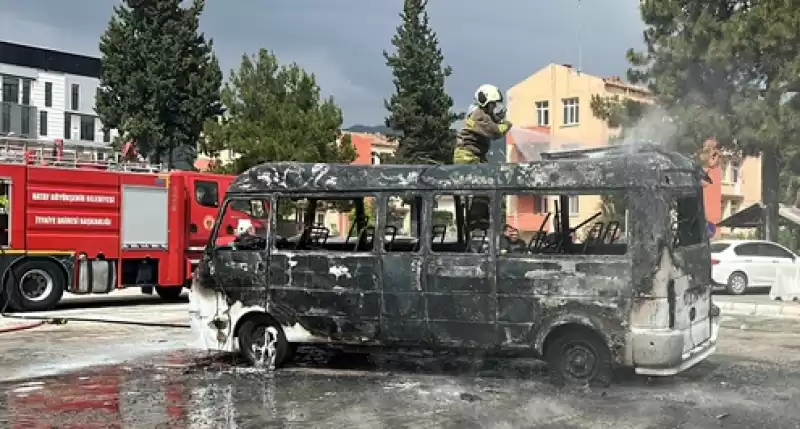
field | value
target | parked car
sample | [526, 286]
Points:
[741, 264]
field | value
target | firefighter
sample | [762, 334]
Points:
[485, 122]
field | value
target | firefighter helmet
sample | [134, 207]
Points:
[488, 94]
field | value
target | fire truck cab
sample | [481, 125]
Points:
[92, 227]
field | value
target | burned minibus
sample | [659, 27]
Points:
[615, 271]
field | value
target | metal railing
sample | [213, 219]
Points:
[14, 150]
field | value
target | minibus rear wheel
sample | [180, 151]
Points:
[255, 336]
[579, 357]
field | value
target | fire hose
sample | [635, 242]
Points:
[21, 327]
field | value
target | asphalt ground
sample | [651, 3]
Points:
[91, 375]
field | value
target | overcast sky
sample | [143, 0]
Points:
[499, 42]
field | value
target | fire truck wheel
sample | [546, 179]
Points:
[259, 338]
[35, 286]
[169, 293]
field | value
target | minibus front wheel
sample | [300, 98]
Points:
[262, 342]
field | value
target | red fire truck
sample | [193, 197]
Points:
[89, 227]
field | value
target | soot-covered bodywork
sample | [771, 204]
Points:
[649, 300]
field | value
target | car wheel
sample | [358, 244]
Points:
[579, 358]
[263, 343]
[737, 283]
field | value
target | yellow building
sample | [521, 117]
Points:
[556, 100]
[740, 186]
[558, 97]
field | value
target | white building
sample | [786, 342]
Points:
[48, 95]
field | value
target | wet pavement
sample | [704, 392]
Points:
[151, 381]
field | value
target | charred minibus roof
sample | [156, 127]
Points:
[615, 167]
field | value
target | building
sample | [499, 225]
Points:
[736, 185]
[48, 95]
[551, 110]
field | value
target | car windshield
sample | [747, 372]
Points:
[719, 247]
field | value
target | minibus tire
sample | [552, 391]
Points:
[251, 332]
[579, 344]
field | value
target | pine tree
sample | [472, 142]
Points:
[160, 78]
[726, 70]
[420, 108]
[276, 113]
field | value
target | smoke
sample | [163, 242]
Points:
[656, 127]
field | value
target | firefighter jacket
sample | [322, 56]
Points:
[478, 132]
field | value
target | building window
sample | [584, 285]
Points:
[10, 89]
[542, 204]
[26, 92]
[574, 207]
[735, 172]
[43, 123]
[106, 135]
[5, 119]
[734, 208]
[321, 219]
[67, 126]
[571, 111]
[543, 113]
[75, 95]
[87, 128]
[48, 94]
[25, 121]
[376, 159]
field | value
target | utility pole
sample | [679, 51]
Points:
[579, 37]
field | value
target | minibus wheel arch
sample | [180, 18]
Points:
[584, 343]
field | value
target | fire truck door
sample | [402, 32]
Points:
[203, 209]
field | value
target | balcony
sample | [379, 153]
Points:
[730, 189]
[19, 119]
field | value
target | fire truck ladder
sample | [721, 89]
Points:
[15, 150]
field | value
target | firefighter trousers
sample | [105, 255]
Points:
[478, 207]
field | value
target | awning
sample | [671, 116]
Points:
[751, 217]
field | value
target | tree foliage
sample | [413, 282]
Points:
[727, 70]
[420, 108]
[276, 113]
[160, 79]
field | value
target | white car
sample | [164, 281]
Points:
[740, 264]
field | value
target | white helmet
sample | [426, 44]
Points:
[488, 94]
